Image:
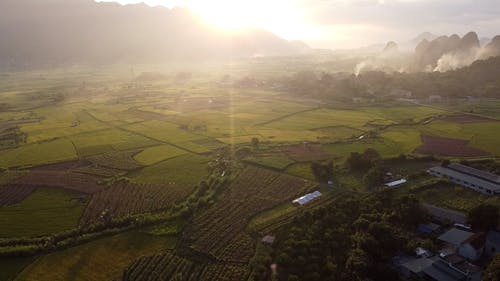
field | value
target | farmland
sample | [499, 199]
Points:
[45, 211]
[179, 179]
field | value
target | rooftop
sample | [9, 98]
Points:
[477, 240]
[395, 183]
[475, 172]
[306, 198]
[467, 178]
[268, 239]
[455, 236]
[417, 265]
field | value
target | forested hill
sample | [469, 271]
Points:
[480, 79]
[57, 32]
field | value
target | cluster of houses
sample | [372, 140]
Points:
[462, 253]
[461, 250]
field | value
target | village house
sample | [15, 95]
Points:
[466, 244]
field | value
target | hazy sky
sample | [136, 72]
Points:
[348, 23]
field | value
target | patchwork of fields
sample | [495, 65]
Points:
[224, 162]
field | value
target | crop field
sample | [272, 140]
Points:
[187, 169]
[12, 194]
[273, 160]
[168, 266]
[121, 200]
[117, 160]
[306, 152]
[448, 147]
[92, 143]
[45, 211]
[159, 267]
[153, 155]
[254, 191]
[404, 113]
[181, 158]
[63, 179]
[39, 153]
[103, 259]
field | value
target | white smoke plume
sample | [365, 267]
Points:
[455, 60]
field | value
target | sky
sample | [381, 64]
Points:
[338, 24]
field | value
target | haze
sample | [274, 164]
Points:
[347, 23]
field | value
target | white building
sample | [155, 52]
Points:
[307, 198]
[478, 180]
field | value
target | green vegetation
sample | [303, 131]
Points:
[453, 196]
[276, 161]
[301, 170]
[193, 169]
[103, 259]
[188, 169]
[44, 212]
[38, 153]
[153, 155]
[349, 238]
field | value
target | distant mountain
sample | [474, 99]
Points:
[492, 49]
[55, 32]
[445, 53]
[422, 36]
[390, 47]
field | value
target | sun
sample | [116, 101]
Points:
[284, 18]
[237, 14]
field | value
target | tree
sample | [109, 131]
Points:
[358, 263]
[374, 176]
[483, 217]
[322, 172]
[492, 272]
[362, 162]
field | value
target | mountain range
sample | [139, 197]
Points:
[58, 32]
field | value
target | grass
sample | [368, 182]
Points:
[61, 122]
[272, 214]
[153, 155]
[112, 138]
[47, 210]
[321, 118]
[103, 259]
[38, 153]
[402, 113]
[188, 169]
[454, 197]
[302, 170]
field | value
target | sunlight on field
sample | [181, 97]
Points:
[103, 259]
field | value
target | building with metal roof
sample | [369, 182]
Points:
[307, 198]
[478, 180]
[395, 183]
[455, 236]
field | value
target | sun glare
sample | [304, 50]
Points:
[282, 17]
[285, 18]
